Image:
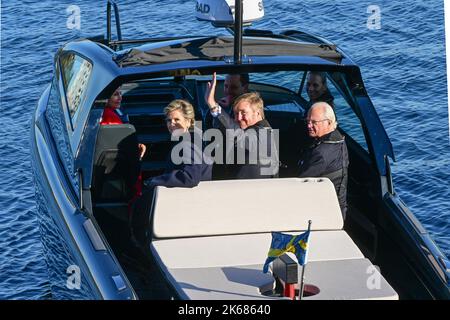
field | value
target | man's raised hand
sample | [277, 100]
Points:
[210, 92]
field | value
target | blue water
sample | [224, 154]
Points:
[403, 65]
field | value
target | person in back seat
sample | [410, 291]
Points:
[186, 164]
[113, 115]
[234, 86]
[317, 89]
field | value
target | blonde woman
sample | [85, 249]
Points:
[182, 170]
[192, 169]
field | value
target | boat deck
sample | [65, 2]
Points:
[217, 249]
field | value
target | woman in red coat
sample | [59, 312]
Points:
[113, 115]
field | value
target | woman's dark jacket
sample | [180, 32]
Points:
[194, 166]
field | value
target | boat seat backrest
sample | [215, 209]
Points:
[116, 163]
[245, 206]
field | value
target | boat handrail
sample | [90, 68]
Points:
[114, 44]
[108, 22]
[305, 36]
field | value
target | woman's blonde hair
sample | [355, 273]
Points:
[186, 109]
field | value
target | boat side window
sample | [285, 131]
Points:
[58, 128]
[278, 90]
[76, 72]
[286, 79]
[348, 121]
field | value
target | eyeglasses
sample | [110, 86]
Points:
[314, 122]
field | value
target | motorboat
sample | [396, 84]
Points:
[196, 246]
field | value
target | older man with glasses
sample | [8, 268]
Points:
[327, 155]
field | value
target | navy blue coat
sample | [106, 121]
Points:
[328, 157]
[190, 172]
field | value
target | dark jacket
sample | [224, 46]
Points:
[220, 171]
[192, 169]
[267, 162]
[328, 157]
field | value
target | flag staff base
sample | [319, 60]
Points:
[302, 284]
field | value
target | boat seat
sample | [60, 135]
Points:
[201, 252]
[246, 206]
[116, 164]
[211, 241]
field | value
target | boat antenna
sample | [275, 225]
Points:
[238, 18]
[232, 15]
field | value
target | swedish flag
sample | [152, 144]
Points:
[282, 243]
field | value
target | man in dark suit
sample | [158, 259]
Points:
[327, 154]
[234, 86]
[254, 141]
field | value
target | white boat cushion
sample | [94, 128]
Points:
[246, 206]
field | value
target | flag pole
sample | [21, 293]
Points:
[302, 283]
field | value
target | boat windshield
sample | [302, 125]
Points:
[287, 95]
